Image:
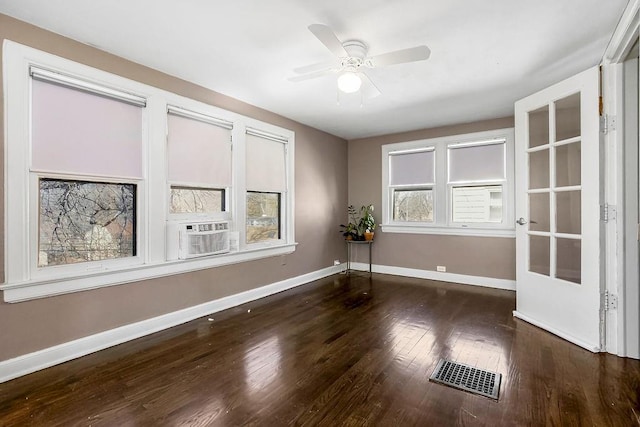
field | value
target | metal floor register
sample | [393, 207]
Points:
[467, 378]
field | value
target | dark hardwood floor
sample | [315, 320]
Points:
[340, 351]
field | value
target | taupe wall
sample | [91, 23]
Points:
[475, 256]
[320, 200]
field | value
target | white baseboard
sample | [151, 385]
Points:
[591, 347]
[488, 282]
[32, 362]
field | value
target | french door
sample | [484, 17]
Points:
[558, 209]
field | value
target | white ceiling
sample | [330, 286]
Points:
[485, 54]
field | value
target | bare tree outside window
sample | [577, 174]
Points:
[196, 200]
[413, 205]
[85, 221]
[263, 216]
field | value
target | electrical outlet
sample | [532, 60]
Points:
[336, 262]
[441, 268]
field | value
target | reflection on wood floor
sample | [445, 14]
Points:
[339, 351]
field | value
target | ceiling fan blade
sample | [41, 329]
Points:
[369, 89]
[328, 38]
[314, 75]
[412, 54]
[313, 68]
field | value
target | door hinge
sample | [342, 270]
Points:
[607, 123]
[607, 212]
[609, 301]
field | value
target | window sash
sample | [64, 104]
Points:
[395, 192]
[96, 221]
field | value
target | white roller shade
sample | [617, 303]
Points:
[199, 152]
[266, 170]
[84, 133]
[412, 168]
[477, 162]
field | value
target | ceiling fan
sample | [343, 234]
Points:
[351, 62]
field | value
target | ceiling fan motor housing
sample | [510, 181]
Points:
[357, 51]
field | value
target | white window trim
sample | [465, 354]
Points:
[23, 282]
[442, 223]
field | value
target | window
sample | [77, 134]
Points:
[411, 181]
[99, 169]
[200, 155]
[266, 184]
[461, 184]
[82, 130]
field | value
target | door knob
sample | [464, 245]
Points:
[521, 221]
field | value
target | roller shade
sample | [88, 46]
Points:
[411, 168]
[83, 132]
[266, 166]
[484, 162]
[199, 150]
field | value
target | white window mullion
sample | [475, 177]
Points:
[156, 189]
[441, 200]
[239, 199]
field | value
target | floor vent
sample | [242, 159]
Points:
[463, 377]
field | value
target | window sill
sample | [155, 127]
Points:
[33, 289]
[449, 231]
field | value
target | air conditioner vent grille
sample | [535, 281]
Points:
[207, 243]
[194, 239]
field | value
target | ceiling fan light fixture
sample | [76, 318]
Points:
[349, 82]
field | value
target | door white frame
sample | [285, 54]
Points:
[623, 39]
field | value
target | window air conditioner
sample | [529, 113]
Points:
[195, 239]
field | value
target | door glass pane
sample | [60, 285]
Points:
[568, 260]
[568, 213]
[568, 117]
[568, 165]
[539, 169]
[539, 258]
[539, 127]
[539, 212]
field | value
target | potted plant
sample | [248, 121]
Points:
[367, 221]
[348, 231]
[361, 223]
